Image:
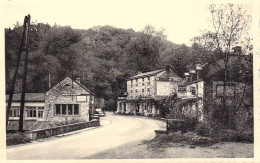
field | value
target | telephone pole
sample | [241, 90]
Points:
[25, 73]
[20, 51]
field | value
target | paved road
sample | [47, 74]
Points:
[115, 131]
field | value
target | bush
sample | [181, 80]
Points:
[203, 129]
[188, 138]
[190, 123]
[16, 138]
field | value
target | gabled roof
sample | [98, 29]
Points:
[81, 85]
[29, 97]
[84, 87]
[146, 74]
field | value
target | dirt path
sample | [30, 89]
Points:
[138, 150]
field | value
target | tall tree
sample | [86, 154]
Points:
[145, 49]
[230, 26]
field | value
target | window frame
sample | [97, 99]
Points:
[67, 110]
[227, 85]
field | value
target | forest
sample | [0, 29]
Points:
[102, 57]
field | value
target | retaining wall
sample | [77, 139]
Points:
[43, 133]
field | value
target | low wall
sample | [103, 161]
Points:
[160, 132]
[43, 133]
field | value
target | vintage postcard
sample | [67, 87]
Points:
[128, 80]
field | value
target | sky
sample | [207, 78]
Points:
[181, 20]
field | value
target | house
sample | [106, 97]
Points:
[145, 90]
[34, 106]
[67, 100]
[201, 94]
[238, 96]
[190, 96]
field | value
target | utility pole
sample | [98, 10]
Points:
[25, 73]
[20, 51]
[49, 81]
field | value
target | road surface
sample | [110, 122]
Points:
[115, 130]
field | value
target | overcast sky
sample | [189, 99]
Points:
[181, 21]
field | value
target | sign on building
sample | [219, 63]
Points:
[82, 98]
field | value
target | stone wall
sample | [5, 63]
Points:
[66, 92]
[44, 133]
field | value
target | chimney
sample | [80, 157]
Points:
[198, 71]
[237, 50]
[78, 80]
[186, 75]
[192, 72]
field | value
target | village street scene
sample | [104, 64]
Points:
[119, 88]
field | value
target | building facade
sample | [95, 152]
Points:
[34, 106]
[146, 89]
[67, 100]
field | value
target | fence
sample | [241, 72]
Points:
[43, 133]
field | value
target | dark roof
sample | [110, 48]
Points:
[192, 82]
[146, 74]
[29, 97]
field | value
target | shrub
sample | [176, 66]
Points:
[190, 123]
[16, 138]
[203, 129]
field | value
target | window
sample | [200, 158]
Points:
[193, 90]
[136, 82]
[136, 91]
[70, 109]
[131, 83]
[148, 91]
[142, 91]
[76, 109]
[31, 112]
[63, 109]
[40, 114]
[131, 91]
[58, 109]
[230, 90]
[67, 109]
[148, 80]
[142, 81]
[14, 112]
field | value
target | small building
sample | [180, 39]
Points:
[67, 100]
[145, 90]
[34, 106]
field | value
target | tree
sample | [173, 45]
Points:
[230, 26]
[145, 49]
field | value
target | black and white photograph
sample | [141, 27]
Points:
[129, 80]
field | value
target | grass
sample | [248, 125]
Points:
[193, 139]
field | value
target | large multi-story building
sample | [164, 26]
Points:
[144, 90]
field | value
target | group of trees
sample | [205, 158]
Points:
[104, 56]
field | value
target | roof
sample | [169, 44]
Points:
[81, 85]
[29, 97]
[146, 74]
[84, 87]
[192, 82]
[29, 125]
